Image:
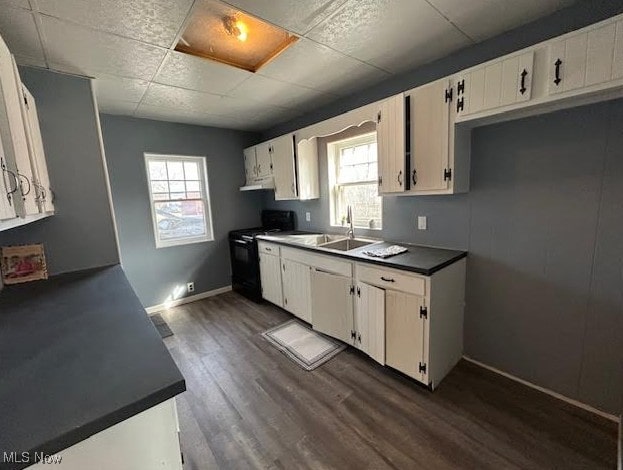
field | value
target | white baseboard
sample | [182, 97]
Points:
[187, 300]
[571, 401]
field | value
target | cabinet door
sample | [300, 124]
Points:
[283, 167]
[250, 164]
[430, 118]
[263, 154]
[37, 155]
[390, 135]
[296, 289]
[12, 133]
[7, 186]
[270, 277]
[404, 333]
[370, 321]
[332, 305]
[307, 169]
[567, 62]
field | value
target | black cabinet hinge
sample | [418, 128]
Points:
[271, 167]
[378, 117]
[460, 87]
[447, 174]
[25, 101]
[448, 95]
[460, 103]
[422, 367]
[380, 180]
[423, 312]
[353, 335]
[285, 300]
[358, 292]
[352, 290]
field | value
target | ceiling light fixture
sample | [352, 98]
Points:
[235, 28]
[217, 31]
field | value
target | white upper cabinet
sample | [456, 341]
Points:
[429, 123]
[15, 156]
[498, 83]
[391, 148]
[284, 167]
[263, 156]
[250, 164]
[307, 185]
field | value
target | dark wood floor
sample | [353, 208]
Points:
[248, 406]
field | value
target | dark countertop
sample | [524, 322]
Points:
[419, 259]
[78, 354]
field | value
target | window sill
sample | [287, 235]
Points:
[190, 241]
[344, 227]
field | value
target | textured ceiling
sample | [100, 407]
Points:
[344, 46]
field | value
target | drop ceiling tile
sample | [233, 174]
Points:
[190, 117]
[294, 15]
[278, 93]
[112, 88]
[30, 61]
[316, 66]
[111, 106]
[74, 49]
[18, 29]
[195, 73]
[166, 96]
[152, 21]
[15, 4]
[395, 35]
[482, 19]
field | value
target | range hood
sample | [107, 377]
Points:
[265, 183]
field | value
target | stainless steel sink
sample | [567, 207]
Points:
[347, 244]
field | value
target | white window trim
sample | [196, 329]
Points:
[333, 149]
[203, 170]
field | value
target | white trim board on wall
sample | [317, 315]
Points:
[187, 300]
[551, 393]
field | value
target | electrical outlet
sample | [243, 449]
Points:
[190, 287]
[308, 216]
[421, 222]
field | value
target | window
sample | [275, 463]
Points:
[179, 196]
[353, 179]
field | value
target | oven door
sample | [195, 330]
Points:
[245, 269]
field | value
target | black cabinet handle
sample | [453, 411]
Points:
[15, 181]
[359, 337]
[557, 78]
[387, 279]
[400, 177]
[522, 88]
[414, 177]
[21, 186]
[268, 249]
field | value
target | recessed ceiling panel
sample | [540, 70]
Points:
[196, 73]
[123, 108]
[152, 21]
[109, 88]
[219, 32]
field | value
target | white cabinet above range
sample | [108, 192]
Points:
[288, 166]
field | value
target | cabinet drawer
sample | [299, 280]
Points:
[391, 279]
[329, 264]
[269, 248]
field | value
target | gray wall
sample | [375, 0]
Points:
[80, 235]
[154, 273]
[543, 224]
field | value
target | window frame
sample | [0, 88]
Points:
[205, 198]
[333, 152]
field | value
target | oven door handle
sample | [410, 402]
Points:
[241, 242]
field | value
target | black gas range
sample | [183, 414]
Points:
[245, 266]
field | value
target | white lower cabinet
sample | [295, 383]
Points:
[332, 304]
[296, 289]
[404, 330]
[370, 321]
[270, 277]
[410, 322]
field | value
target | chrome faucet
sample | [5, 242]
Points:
[349, 219]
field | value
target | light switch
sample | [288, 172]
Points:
[421, 222]
[308, 216]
